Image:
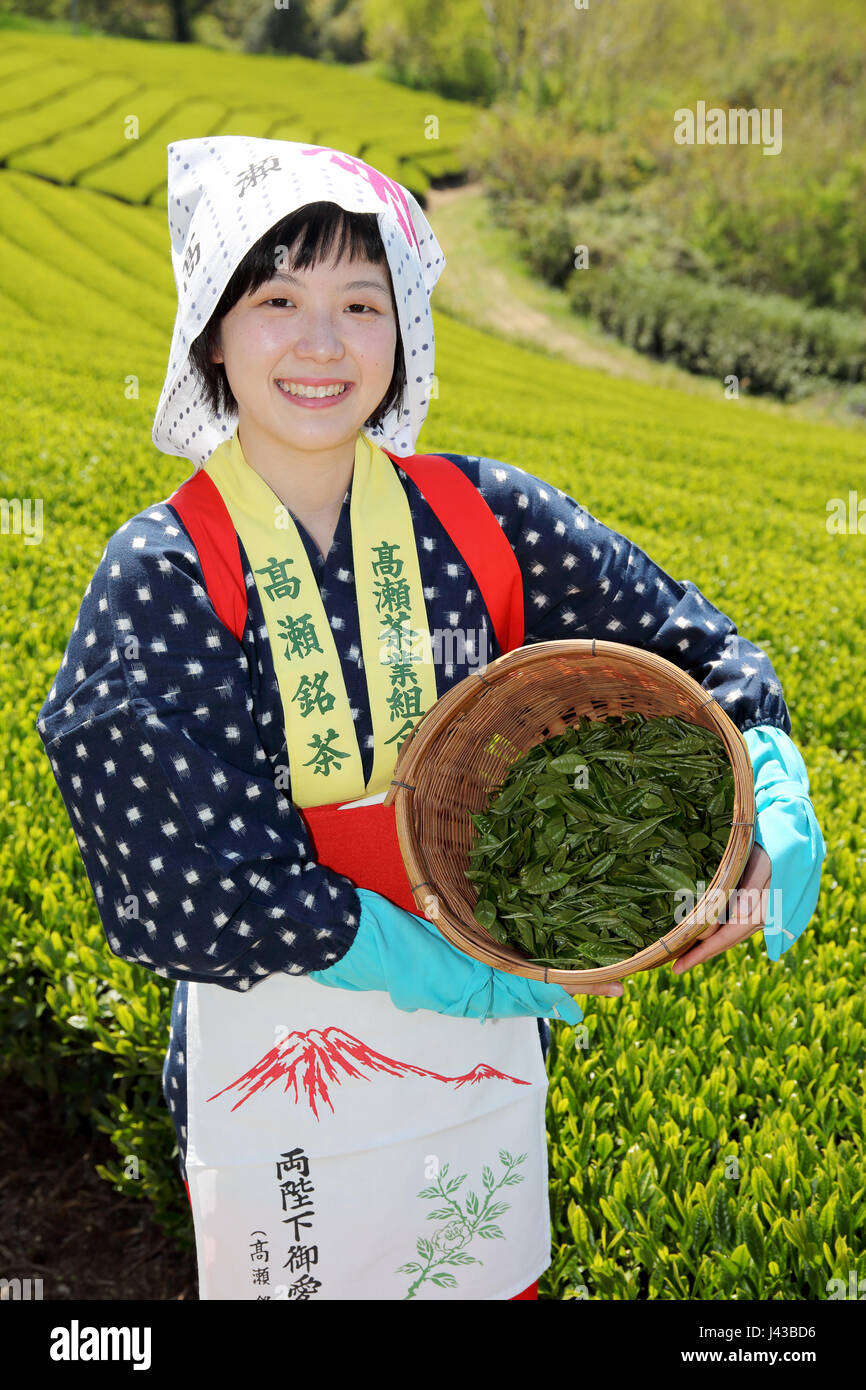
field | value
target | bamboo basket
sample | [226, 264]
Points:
[460, 751]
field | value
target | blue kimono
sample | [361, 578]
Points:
[163, 731]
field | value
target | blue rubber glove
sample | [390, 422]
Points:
[411, 960]
[788, 831]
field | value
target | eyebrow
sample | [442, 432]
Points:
[350, 284]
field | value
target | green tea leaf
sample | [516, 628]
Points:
[582, 875]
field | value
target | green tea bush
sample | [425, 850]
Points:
[773, 345]
[723, 1166]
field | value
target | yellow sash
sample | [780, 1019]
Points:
[324, 756]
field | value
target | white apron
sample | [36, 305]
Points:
[340, 1148]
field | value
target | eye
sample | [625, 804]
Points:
[280, 300]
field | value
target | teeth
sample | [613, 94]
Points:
[293, 390]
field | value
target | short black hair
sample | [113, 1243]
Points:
[318, 225]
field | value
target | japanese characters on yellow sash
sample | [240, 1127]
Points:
[324, 757]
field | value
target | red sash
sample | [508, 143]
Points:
[363, 845]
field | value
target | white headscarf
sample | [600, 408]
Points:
[224, 193]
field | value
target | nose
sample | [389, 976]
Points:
[318, 338]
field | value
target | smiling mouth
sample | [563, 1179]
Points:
[331, 391]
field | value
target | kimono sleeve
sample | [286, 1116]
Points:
[200, 866]
[583, 579]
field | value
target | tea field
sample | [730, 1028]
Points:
[98, 113]
[706, 1131]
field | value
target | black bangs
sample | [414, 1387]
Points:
[316, 232]
[319, 226]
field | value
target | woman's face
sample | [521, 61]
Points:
[304, 328]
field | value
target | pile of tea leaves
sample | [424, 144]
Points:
[583, 847]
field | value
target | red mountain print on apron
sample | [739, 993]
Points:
[316, 1058]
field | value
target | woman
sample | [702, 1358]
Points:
[359, 1106]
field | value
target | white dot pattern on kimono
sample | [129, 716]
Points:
[166, 760]
[224, 193]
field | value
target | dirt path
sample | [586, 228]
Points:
[508, 308]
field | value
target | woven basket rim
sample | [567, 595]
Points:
[463, 695]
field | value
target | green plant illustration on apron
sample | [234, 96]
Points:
[448, 1245]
